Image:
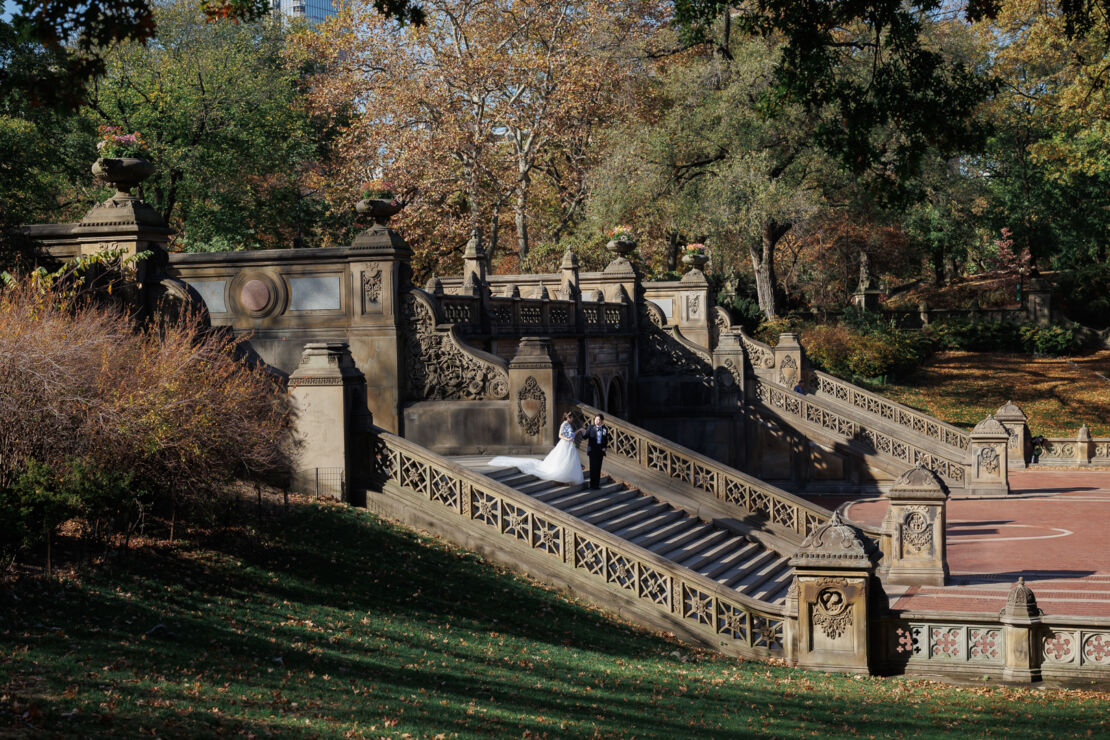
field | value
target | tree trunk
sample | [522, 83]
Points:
[494, 235]
[672, 251]
[763, 265]
[521, 221]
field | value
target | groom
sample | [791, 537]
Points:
[597, 439]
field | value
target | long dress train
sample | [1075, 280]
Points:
[561, 464]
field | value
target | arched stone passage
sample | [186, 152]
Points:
[614, 403]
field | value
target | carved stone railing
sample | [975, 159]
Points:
[514, 519]
[790, 513]
[816, 411]
[760, 355]
[953, 643]
[534, 316]
[873, 404]
[1075, 451]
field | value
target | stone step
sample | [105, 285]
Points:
[777, 582]
[757, 559]
[569, 499]
[690, 530]
[711, 537]
[675, 526]
[638, 522]
[638, 504]
[753, 580]
[707, 549]
[744, 552]
[605, 501]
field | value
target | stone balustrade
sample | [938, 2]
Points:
[538, 533]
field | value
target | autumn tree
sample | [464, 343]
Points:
[463, 113]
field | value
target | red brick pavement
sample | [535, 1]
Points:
[1052, 530]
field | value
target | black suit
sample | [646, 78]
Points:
[595, 450]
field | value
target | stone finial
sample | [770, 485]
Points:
[542, 293]
[918, 483]
[1084, 434]
[570, 261]
[990, 427]
[1020, 602]
[1010, 411]
[512, 290]
[834, 544]
[434, 286]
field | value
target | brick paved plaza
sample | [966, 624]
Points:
[1052, 530]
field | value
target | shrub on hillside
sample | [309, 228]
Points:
[848, 353]
[96, 410]
[994, 336]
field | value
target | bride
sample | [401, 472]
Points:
[561, 464]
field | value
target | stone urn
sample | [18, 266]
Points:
[122, 172]
[379, 209]
[695, 260]
[621, 247]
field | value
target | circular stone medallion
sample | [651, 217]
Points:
[255, 295]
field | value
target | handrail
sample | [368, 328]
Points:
[725, 483]
[873, 404]
[750, 624]
[815, 411]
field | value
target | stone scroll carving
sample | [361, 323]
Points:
[759, 355]
[531, 407]
[439, 366]
[663, 353]
[988, 461]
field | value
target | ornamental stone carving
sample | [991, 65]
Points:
[917, 531]
[531, 407]
[833, 544]
[662, 354]
[832, 612]
[759, 355]
[438, 366]
[371, 289]
[988, 461]
[788, 372]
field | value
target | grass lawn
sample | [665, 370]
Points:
[1057, 394]
[329, 623]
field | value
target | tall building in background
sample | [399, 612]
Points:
[314, 10]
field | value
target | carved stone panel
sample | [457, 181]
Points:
[371, 289]
[788, 372]
[531, 407]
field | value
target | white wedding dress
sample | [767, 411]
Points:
[561, 464]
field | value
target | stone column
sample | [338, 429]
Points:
[533, 374]
[1019, 447]
[1021, 620]
[1083, 446]
[380, 277]
[693, 308]
[474, 262]
[789, 361]
[833, 570]
[915, 523]
[987, 460]
[328, 394]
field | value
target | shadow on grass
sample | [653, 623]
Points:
[335, 623]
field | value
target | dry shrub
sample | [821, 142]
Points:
[169, 405]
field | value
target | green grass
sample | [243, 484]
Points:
[330, 623]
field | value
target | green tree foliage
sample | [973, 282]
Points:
[222, 115]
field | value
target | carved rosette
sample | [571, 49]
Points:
[531, 407]
[917, 531]
[438, 368]
[832, 612]
[988, 461]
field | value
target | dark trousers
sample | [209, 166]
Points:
[595, 468]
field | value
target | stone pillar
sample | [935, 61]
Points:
[915, 523]
[1038, 301]
[533, 374]
[833, 570]
[693, 308]
[379, 277]
[474, 262]
[1019, 446]
[1083, 446]
[987, 460]
[568, 287]
[328, 395]
[1021, 620]
[923, 312]
[789, 361]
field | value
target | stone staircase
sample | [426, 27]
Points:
[714, 549]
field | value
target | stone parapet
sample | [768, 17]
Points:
[915, 543]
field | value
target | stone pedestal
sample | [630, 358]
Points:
[867, 300]
[568, 277]
[789, 361]
[692, 308]
[915, 524]
[833, 571]
[1021, 620]
[988, 459]
[328, 395]
[533, 374]
[1019, 447]
[1038, 301]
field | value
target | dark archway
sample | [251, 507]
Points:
[614, 403]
